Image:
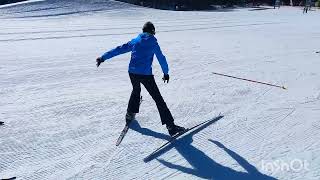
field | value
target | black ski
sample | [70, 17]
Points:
[123, 133]
[125, 129]
[9, 178]
[173, 138]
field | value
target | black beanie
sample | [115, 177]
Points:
[149, 28]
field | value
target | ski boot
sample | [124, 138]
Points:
[174, 129]
[130, 116]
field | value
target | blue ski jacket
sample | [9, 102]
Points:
[142, 50]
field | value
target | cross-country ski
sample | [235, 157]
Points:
[173, 138]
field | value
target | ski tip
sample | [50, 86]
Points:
[119, 141]
[147, 159]
[1, 123]
[318, 52]
[9, 178]
[284, 88]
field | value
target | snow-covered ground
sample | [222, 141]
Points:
[63, 115]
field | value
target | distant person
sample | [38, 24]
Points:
[307, 6]
[142, 50]
[276, 4]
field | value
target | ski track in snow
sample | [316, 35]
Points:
[63, 115]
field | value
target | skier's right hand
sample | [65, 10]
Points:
[99, 61]
[166, 78]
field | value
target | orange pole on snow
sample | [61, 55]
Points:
[282, 87]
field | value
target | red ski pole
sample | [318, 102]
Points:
[249, 80]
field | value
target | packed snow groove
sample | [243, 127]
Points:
[62, 115]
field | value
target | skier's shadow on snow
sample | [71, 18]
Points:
[180, 141]
[148, 132]
[205, 167]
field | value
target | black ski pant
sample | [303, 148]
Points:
[151, 86]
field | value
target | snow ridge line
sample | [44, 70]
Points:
[106, 28]
[130, 33]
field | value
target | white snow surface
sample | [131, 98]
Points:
[63, 115]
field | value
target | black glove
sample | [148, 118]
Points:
[99, 61]
[165, 78]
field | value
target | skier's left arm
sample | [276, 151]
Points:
[162, 60]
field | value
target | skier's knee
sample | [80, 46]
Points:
[136, 90]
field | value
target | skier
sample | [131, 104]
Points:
[143, 48]
[276, 4]
[307, 6]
